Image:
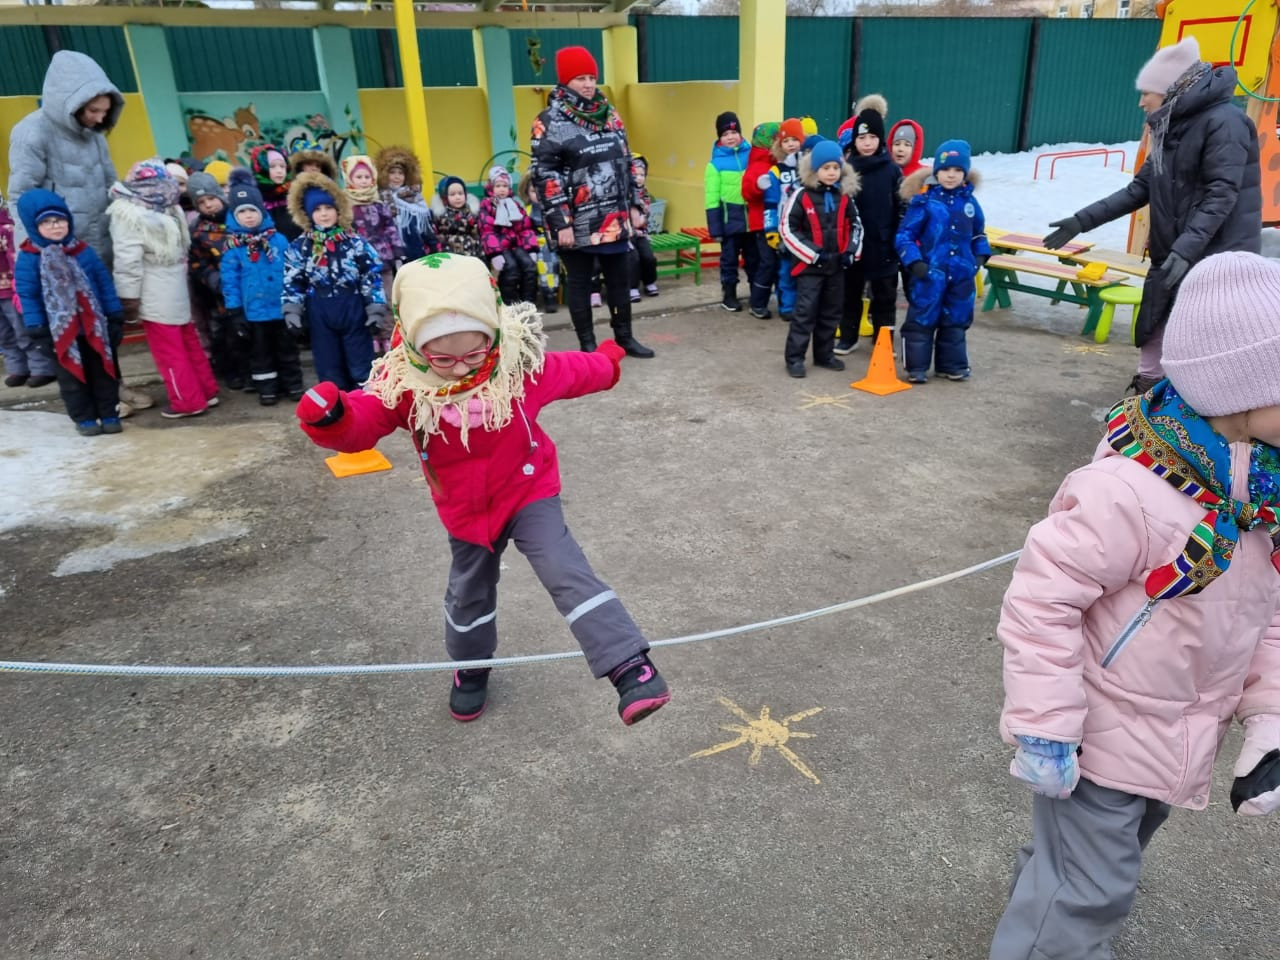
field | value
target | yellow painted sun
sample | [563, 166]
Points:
[1098, 348]
[813, 400]
[763, 731]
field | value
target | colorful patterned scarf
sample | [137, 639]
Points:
[72, 308]
[1159, 431]
[325, 242]
[256, 243]
[594, 114]
[154, 193]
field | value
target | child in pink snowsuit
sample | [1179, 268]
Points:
[1142, 618]
[467, 376]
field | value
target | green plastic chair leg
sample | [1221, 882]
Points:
[1103, 329]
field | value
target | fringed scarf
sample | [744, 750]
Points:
[411, 210]
[594, 114]
[154, 193]
[1159, 431]
[72, 308]
[256, 243]
[485, 398]
[1160, 118]
[325, 242]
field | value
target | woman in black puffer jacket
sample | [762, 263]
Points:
[1201, 179]
[582, 174]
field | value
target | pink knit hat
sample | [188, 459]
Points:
[1163, 70]
[1222, 344]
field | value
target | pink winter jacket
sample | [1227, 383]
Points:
[481, 489]
[1151, 723]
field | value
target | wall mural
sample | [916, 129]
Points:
[222, 127]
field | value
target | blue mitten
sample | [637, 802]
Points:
[1047, 765]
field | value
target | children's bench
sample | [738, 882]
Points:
[710, 255]
[1006, 241]
[1002, 276]
[677, 254]
[1116, 260]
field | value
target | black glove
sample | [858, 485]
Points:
[919, 270]
[822, 259]
[982, 261]
[239, 325]
[1173, 270]
[847, 260]
[115, 328]
[374, 315]
[1068, 227]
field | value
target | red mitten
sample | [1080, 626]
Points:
[321, 405]
[615, 354]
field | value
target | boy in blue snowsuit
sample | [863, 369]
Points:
[941, 243]
[252, 271]
[334, 276]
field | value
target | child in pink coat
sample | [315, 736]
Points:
[467, 376]
[1142, 618]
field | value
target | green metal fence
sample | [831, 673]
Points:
[819, 58]
[25, 53]
[690, 48]
[1082, 88]
[545, 43]
[242, 59]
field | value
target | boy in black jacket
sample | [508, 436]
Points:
[880, 210]
[821, 229]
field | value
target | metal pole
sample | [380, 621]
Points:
[415, 101]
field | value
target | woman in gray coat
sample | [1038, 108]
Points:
[62, 146]
[1201, 179]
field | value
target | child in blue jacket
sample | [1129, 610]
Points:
[252, 269]
[941, 243]
[70, 308]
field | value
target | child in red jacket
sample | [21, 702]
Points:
[467, 376]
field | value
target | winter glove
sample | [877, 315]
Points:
[131, 310]
[982, 261]
[1173, 270]
[1068, 227]
[764, 181]
[611, 350]
[239, 325]
[374, 315]
[847, 260]
[1047, 765]
[498, 263]
[822, 259]
[1256, 790]
[115, 328]
[293, 317]
[321, 406]
[773, 238]
[919, 270]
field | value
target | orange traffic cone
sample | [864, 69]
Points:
[882, 375]
[354, 464]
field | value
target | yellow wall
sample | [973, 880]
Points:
[669, 124]
[457, 127]
[129, 142]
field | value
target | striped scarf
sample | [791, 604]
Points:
[1159, 431]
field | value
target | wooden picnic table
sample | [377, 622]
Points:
[1002, 277]
[1116, 260]
[1002, 240]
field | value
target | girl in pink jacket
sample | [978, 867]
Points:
[467, 376]
[1142, 618]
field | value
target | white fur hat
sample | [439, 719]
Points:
[1169, 63]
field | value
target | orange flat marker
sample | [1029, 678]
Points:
[882, 375]
[354, 464]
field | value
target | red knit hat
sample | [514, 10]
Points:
[575, 62]
[791, 127]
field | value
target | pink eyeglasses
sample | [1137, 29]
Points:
[447, 361]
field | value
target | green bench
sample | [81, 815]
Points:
[667, 249]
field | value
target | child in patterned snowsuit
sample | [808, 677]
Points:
[333, 278]
[457, 215]
[24, 361]
[644, 265]
[508, 239]
[546, 261]
[204, 261]
[400, 186]
[941, 243]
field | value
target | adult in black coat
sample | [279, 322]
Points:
[1201, 178]
[880, 209]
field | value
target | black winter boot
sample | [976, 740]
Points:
[730, 301]
[586, 336]
[622, 335]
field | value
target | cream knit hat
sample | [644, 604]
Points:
[442, 294]
[1169, 63]
[1222, 344]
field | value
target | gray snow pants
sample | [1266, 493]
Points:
[599, 622]
[1074, 884]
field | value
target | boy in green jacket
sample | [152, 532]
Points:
[726, 210]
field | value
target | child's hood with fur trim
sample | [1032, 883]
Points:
[340, 200]
[923, 178]
[319, 157]
[439, 207]
[401, 157]
[850, 183]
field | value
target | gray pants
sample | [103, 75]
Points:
[595, 615]
[1074, 884]
[21, 354]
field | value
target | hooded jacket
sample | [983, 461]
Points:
[26, 271]
[208, 238]
[483, 485]
[457, 231]
[802, 241]
[312, 154]
[581, 171]
[342, 266]
[151, 251]
[254, 286]
[722, 182]
[49, 148]
[1206, 200]
[761, 200]
[944, 228]
[914, 164]
[1152, 721]
[880, 208]
[496, 239]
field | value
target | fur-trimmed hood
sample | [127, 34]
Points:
[438, 207]
[923, 178]
[300, 185]
[401, 157]
[850, 183]
[316, 156]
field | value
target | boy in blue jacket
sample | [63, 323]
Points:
[942, 243]
[726, 208]
[252, 269]
[70, 308]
